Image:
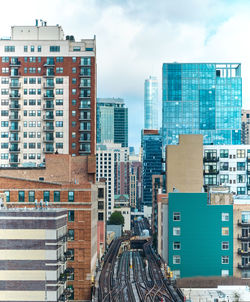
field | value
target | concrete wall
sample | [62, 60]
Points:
[184, 164]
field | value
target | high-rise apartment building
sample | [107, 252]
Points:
[151, 103]
[202, 98]
[112, 121]
[152, 162]
[245, 127]
[110, 158]
[48, 95]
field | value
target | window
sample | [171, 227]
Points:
[71, 234]
[54, 48]
[21, 196]
[224, 153]
[31, 196]
[59, 112]
[39, 48]
[73, 113]
[225, 259]
[59, 123]
[59, 69]
[56, 196]
[46, 196]
[59, 59]
[71, 215]
[176, 231]
[224, 178]
[32, 48]
[225, 216]
[25, 48]
[59, 102]
[100, 193]
[74, 59]
[71, 251]
[240, 153]
[7, 194]
[225, 231]
[9, 48]
[176, 259]
[4, 156]
[176, 245]
[73, 80]
[5, 59]
[73, 69]
[241, 178]
[225, 245]
[73, 91]
[224, 272]
[177, 216]
[59, 134]
[59, 145]
[71, 196]
[59, 91]
[240, 166]
[241, 190]
[76, 48]
[224, 166]
[100, 216]
[59, 80]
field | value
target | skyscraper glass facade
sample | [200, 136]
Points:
[152, 164]
[151, 103]
[204, 98]
[112, 121]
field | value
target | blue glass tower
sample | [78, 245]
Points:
[204, 98]
[151, 103]
[152, 162]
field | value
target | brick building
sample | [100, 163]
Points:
[48, 95]
[67, 182]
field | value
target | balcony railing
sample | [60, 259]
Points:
[48, 96]
[243, 253]
[48, 139]
[14, 161]
[244, 266]
[48, 128]
[16, 63]
[211, 171]
[14, 150]
[14, 106]
[48, 86]
[50, 107]
[14, 117]
[244, 223]
[48, 117]
[244, 238]
[14, 139]
[15, 96]
[14, 129]
[210, 159]
[15, 85]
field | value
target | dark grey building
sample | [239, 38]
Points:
[112, 121]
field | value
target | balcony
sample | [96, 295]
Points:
[49, 63]
[15, 85]
[84, 151]
[14, 129]
[244, 266]
[244, 238]
[14, 161]
[210, 159]
[243, 253]
[48, 139]
[15, 63]
[211, 171]
[81, 118]
[244, 223]
[48, 96]
[48, 128]
[48, 117]
[67, 255]
[84, 74]
[48, 107]
[49, 74]
[84, 96]
[15, 96]
[14, 106]
[14, 150]
[48, 151]
[62, 278]
[48, 86]
[15, 74]
[62, 259]
[14, 117]
[14, 139]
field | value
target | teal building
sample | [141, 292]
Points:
[200, 236]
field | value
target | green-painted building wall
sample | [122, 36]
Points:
[200, 235]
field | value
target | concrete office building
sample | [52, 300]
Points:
[245, 127]
[33, 254]
[109, 156]
[112, 121]
[66, 182]
[151, 103]
[202, 98]
[48, 95]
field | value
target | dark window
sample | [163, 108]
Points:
[46, 196]
[100, 192]
[71, 196]
[72, 254]
[71, 215]
[31, 196]
[100, 205]
[100, 216]
[21, 196]
[56, 196]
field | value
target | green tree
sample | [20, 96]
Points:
[116, 218]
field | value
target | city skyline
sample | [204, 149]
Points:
[216, 29]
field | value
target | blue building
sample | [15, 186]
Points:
[152, 162]
[204, 98]
[151, 103]
[112, 121]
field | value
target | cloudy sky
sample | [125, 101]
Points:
[134, 38]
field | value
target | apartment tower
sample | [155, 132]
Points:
[48, 95]
[151, 103]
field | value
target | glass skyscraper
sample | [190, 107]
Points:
[203, 98]
[151, 103]
[112, 121]
[152, 162]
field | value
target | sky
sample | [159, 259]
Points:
[134, 38]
